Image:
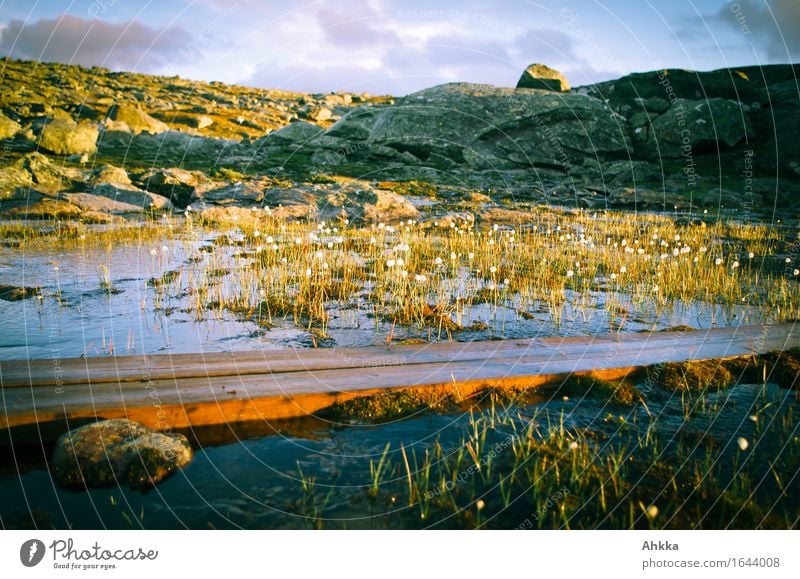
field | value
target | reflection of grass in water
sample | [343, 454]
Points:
[516, 469]
[519, 468]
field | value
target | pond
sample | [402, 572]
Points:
[554, 458]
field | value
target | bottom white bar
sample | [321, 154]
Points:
[354, 554]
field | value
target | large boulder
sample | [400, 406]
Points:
[110, 174]
[116, 452]
[66, 137]
[13, 180]
[35, 205]
[357, 124]
[136, 119]
[543, 77]
[36, 171]
[297, 133]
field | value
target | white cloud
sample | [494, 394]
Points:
[124, 45]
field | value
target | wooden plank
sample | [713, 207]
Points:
[307, 385]
[158, 367]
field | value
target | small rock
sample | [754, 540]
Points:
[118, 451]
[202, 121]
[315, 113]
[10, 293]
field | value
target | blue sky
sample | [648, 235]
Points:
[397, 47]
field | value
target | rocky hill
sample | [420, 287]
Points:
[92, 144]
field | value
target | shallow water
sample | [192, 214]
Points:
[78, 315]
[256, 482]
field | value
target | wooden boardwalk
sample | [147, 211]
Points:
[188, 390]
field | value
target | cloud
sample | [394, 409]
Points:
[361, 46]
[69, 39]
[344, 27]
[773, 25]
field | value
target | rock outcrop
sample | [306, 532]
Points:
[656, 140]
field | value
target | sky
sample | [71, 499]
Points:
[399, 46]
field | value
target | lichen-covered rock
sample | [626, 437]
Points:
[316, 113]
[360, 203]
[136, 119]
[118, 451]
[8, 127]
[110, 174]
[543, 77]
[37, 206]
[298, 133]
[66, 137]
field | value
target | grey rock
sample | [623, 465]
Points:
[178, 185]
[117, 198]
[697, 127]
[244, 194]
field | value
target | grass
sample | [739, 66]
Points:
[433, 278]
[522, 466]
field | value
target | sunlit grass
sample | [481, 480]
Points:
[430, 275]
